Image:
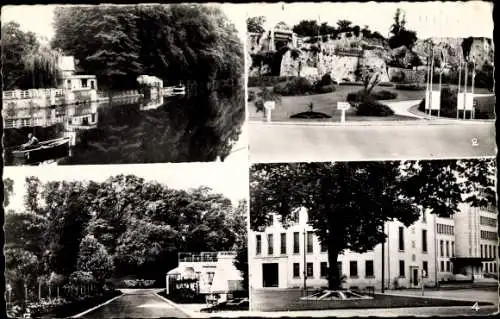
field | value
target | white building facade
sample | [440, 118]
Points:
[427, 250]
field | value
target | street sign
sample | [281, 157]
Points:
[343, 105]
[270, 105]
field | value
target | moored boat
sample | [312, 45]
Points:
[44, 151]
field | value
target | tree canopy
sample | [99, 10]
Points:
[349, 203]
[256, 24]
[121, 226]
[400, 35]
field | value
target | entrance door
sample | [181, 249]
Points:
[270, 275]
[415, 276]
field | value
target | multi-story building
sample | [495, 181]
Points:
[433, 249]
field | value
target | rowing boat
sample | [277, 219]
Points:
[44, 151]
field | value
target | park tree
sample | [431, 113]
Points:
[33, 194]
[8, 190]
[344, 25]
[348, 203]
[369, 75]
[307, 28]
[94, 258]
[256, 24]
[27, 231]
[15, 45]
[401, 35]
[42, 66]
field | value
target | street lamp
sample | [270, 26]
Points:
[305, 264]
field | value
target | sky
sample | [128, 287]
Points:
[226, 178]
[38, 18]
[429, 19]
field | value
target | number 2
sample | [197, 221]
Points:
[474, 142]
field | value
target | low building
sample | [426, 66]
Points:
[212, 273]
[435, 248]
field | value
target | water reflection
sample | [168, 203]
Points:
[120, 131]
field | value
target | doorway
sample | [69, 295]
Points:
[414, 277]
[270, 275]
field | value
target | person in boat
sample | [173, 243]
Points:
[32, 142]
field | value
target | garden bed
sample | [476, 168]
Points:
[75, 306]
[310, 115]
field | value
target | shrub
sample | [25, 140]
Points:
[259, 81]
[410, 87]
[359, 96]
[251, 96]
[325, 89]
[325, 80]
[383, 95]
[295, 86]
[371, 107]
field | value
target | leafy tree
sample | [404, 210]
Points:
[307, 28]
[15, 45]
[401, 36]
[93, 258]
[27, 231]
[344, 25]
[369, 75]
[42, 65]
[256, 24]
[32, 196]
[8, 191]
[21, 267]
[349, 203]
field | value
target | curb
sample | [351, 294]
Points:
[421, 122]
[96, 307]
[188, 313]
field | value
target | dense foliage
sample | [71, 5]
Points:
[192, 44]
[86, 231]
[348, 203]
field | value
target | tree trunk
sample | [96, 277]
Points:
[333, 272]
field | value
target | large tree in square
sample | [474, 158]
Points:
[348, 203]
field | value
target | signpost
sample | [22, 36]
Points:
[269, 106]
[343, 106]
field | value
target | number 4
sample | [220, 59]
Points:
[475, 307]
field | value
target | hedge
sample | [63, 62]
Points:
[258, 81]
[410, 87]
[373, 108]
[374, 95]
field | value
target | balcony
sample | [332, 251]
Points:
[204, 256]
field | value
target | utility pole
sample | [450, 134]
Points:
[383, 265]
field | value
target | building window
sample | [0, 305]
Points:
[442, 266]
[441, 248]
[452, 249]
[310, 272]
[447, 249]
[401, 239]
[494, 252]
[490, 252]
[425, 266]
[339, 268]
[424, 240]
[283, 243]
[412, 244]
[448, 266]
[353, 269]
[84, 83]
[258, 246]
[424, 217]
[296, 243]
[402, 268]
[487, 221]
[270, 247]
[323, 269]
[481, 251]
[489, 235]
[324, 248]
[494, 267]
[309, 241]
[369, 268]
[296, 270]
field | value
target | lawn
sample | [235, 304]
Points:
[327, 103]
[288, 300]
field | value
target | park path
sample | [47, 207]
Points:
[403, 108]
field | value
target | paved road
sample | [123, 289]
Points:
[390, 312]
[140, 303]
[478, 294]
[390, 141]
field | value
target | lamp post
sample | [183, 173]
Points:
[472, 88]
[305, 262]
[459, 81]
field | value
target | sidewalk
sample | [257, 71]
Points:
[458, 294]
[347, 123]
